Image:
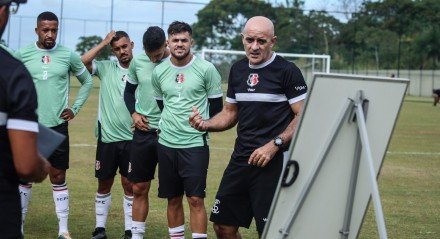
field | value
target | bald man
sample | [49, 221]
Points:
[265, 97]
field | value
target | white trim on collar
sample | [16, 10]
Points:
[40, 49]
[264, 63]
[185, 66]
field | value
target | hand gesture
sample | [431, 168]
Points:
[109, 37]
[262, 156]
[67, 114]
[140, 122]
[196, 121]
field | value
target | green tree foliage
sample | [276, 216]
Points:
[381, 34]
[87, 43]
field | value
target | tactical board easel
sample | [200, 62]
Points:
[335, 157]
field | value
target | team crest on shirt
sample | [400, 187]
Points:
[45, 59]
[253, 79]
[180, 78]
[97, 165]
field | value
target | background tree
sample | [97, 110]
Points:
[87, 43]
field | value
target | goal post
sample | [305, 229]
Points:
[307, 63]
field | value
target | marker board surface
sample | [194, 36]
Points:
[322, 212]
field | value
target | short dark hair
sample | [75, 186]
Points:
[47, 16]
[179, 27]
[119, 35]
[154, 38]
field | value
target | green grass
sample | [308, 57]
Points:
[409, 182]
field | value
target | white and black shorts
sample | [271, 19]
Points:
[246, 192]
[143, 158]
[183, 170]
[110, 157]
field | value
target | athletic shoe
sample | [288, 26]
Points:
[127, 235]
[99, 233]
[64, 235]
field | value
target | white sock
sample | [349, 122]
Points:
[199, 235]
[102, 206]
[25, 196]
[138, 230]
[61, 199]
[128, 204]
[177, 232]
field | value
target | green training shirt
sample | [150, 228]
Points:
[181, 88]
[50, 69]
[139, 73]
[112, 113]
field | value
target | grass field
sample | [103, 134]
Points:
[409, 182]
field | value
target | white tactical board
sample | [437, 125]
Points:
[330, 154]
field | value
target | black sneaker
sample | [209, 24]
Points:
[99, 233]
[127, 235]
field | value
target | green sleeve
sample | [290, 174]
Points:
[132, 77]
[213, 82]
[84, 77]
[156, 85]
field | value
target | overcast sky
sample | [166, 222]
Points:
[92, 17]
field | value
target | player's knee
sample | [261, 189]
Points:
[140, 189]
[224, 231]
[196, 202]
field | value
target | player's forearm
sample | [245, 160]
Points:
[129, 97]
[30, 166]
[226, 119]
[84, 91]
[88, 57]
[287, 134]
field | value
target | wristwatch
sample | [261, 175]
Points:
[278, 141]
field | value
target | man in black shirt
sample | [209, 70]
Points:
[18, 133]
[265, 96]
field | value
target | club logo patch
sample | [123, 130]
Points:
[97, 165]
[215, 208]
[253, 79]
[180, 78]
[45, 59]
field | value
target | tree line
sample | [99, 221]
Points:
[385, 34]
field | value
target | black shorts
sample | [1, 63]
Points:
[183, 170]
[10, 221]
[143, 156]
[436, 91]
[246, 191]
[60, 157]
[110, 157]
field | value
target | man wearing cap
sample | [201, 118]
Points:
[18, 131]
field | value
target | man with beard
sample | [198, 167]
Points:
[181, 83]
[50, 65]
[113, 128]
[18, 132]
[265, 96]
[138, 97]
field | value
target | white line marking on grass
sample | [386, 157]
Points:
[415, 153]
[230, 149]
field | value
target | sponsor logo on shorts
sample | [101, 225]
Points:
[215, 209]
[303, 87]
[129, 167]
[265, 219]
[97, 165]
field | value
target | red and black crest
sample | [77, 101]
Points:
[45, 59]
[180, 78]
[252, 79]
